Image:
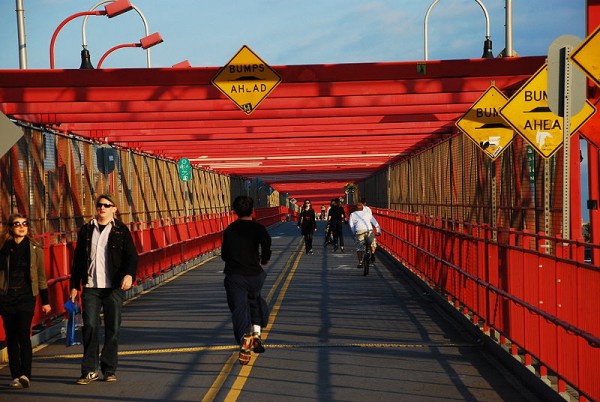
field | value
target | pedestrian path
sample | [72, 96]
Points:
[335, 335]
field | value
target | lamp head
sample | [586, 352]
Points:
[487, 49]
[117, 7]
[86, 63]
[151, 40]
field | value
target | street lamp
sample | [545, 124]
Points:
[111, 10]
[145, 43]
[487, 43]
[84, 39]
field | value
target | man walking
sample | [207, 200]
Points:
[105, 264]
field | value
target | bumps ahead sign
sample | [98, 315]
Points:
[484, 125]
[246, 80]
[527, 111]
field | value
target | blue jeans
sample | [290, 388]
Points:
[111, 301]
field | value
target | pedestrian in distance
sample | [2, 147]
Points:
[336, 217]
[328, 228]
[22, 278]
[364, 226]
[307, 223]
[246, 248]
[105, 265]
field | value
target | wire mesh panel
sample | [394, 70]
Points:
[55, 179]
[456, 181]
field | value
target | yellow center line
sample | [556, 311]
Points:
[245, 371]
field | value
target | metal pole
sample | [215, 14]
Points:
[144, 21]
[566, 224]
[508, 50]
[21, 34]
[426, 22]
[425, 34]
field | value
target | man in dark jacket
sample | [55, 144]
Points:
[246, 248]
[105, 264]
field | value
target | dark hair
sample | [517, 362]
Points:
[8, 234]
[243, 206]
[109, 197]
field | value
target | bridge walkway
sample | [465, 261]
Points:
[335, 335]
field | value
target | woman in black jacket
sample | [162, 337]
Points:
[307, 222]
[22, 278]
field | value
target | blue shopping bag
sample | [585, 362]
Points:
[74, 322]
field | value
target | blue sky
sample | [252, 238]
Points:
[209, 33]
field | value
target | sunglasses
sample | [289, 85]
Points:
[19, 224]
[100, 205]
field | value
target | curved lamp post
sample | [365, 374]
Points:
[487, 43]
[145, 43]
[86, 54]
[113, 9]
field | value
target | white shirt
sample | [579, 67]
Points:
[98, 270]
[362, 221]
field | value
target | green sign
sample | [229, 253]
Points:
[185, 169]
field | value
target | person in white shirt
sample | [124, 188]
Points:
[364, 225]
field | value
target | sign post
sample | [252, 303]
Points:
[185, 174]
[566, 97]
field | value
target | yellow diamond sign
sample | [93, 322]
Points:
[527, 111]
[586, 56]
[246, 79]
[484, 125]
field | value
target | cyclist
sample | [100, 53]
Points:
[364, 227]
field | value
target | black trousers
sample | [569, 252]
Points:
[338, 237]
[245, 303]
[16, 308]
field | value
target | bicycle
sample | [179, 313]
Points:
[368, 254]
[366, 257]
[367, 260]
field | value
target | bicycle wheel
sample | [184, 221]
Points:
[366, 262]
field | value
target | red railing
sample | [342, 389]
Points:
[534, 294]
[162, 245]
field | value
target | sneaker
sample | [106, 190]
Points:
[87, 378]
[15, 383]
[257, 344]
[245, 355]
[342, 249]
[110, 377]
[310, 252]
[24, 381]
[359, 265]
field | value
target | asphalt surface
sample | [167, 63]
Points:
[335, 335]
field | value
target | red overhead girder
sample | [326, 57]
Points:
[322, 127]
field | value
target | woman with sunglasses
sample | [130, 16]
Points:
[307, 222]
[22, 278]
